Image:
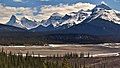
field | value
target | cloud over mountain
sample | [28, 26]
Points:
[40, 13]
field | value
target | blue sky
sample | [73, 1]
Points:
[33, 3]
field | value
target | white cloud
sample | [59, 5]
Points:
[17, 0]
[45, 12]
[44, 0]
[64, 9]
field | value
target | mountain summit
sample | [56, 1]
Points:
[103, 11]
[102, 6]
[23, 23]
[14, 22]
[54, 19]
[103, 2]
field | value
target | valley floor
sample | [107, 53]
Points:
[56, 56]
[95, 50]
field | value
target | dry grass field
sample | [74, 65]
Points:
[61, 50]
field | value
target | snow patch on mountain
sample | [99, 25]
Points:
[28, 23]
[117, 11]
[111, 16]
[105, 12]
[57, 20]
[54, 19]
[76, 17]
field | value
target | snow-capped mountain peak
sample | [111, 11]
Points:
[103, 2]
[23, 23]
[109, 15]
[103, 11]
[57, 20]
[102, 6]
[76, 17]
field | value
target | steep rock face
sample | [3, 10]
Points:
[23, 23]
[14, 22]
[54, 19]
[72, 18]
[63, 22]
[28, 23]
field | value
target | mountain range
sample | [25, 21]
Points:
[99, 25]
